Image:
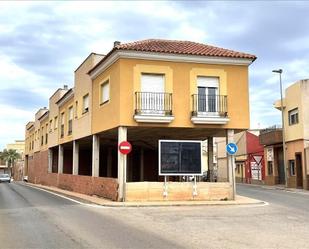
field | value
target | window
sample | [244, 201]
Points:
[56, 123]
[86, 103]
[105, 92]
[42, 136]
[76, 109]
[62, 125]
[152, 96]
[293, 116]
[270, 168]
[46, 134]
[50, 126]
[207, 89]
[70, 120]
[292, 167]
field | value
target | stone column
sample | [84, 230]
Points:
[210, 158]
[75, 157]
[95, 155]
[50, 160]
[122, 165]
[231, 162]
[60, 159]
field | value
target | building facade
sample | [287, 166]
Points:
[296, 119]
[249, 158]
[140, 92]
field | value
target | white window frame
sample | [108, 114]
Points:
[86, 103]
[291, 113]
[209, 82]
[104, 92]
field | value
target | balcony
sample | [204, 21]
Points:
[153, 107]
[209, 109]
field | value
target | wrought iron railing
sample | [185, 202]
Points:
[153, 103]
[209, 104]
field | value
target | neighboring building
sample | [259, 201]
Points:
[141, 92]
[19, 146]
[296, 118]
[249, 158]
[271, 138]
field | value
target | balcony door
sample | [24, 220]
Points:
[152, 93]
[207, 101]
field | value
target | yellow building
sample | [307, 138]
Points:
[296, 119]
[140, 92]
[18, 145]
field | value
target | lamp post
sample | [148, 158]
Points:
[279, 71]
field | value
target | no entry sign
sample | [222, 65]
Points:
[125, 147]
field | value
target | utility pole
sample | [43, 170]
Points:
[279, 71]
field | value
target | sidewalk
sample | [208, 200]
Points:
[87, 199]
[278, 187]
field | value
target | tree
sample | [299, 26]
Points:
[9, 156]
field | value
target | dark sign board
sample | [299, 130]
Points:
[180, 157]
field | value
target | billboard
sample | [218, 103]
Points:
[180, 157]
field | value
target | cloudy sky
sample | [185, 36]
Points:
[42, 43]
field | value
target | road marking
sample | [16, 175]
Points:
[68, 198]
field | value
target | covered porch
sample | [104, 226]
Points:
[137, 173]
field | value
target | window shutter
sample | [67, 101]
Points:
[152, 83]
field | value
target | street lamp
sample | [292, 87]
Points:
[279, 71]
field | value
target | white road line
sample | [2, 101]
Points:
[68, 198]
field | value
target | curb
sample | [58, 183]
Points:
[87, 202]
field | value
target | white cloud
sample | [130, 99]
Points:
[41, 44]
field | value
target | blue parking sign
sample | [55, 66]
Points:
[231, 148]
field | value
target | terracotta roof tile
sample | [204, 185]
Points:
[182, 47]
[177, 47]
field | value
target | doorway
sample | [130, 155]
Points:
[299, 171]
[281, 169]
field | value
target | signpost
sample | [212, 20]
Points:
[231, 149]
[125, 147]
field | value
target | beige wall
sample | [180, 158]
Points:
[305, 104]
[124, 83]
[293, 100]
[64, 108]
[83, 86]
[44, 130]
[29, 136]
[19, 146]
[37, 126]
[54, 112]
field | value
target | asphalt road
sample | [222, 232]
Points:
[31, 218]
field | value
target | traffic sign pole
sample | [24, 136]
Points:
[231, 149]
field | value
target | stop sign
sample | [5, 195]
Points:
[125, 147]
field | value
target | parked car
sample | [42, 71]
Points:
[5, 178]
